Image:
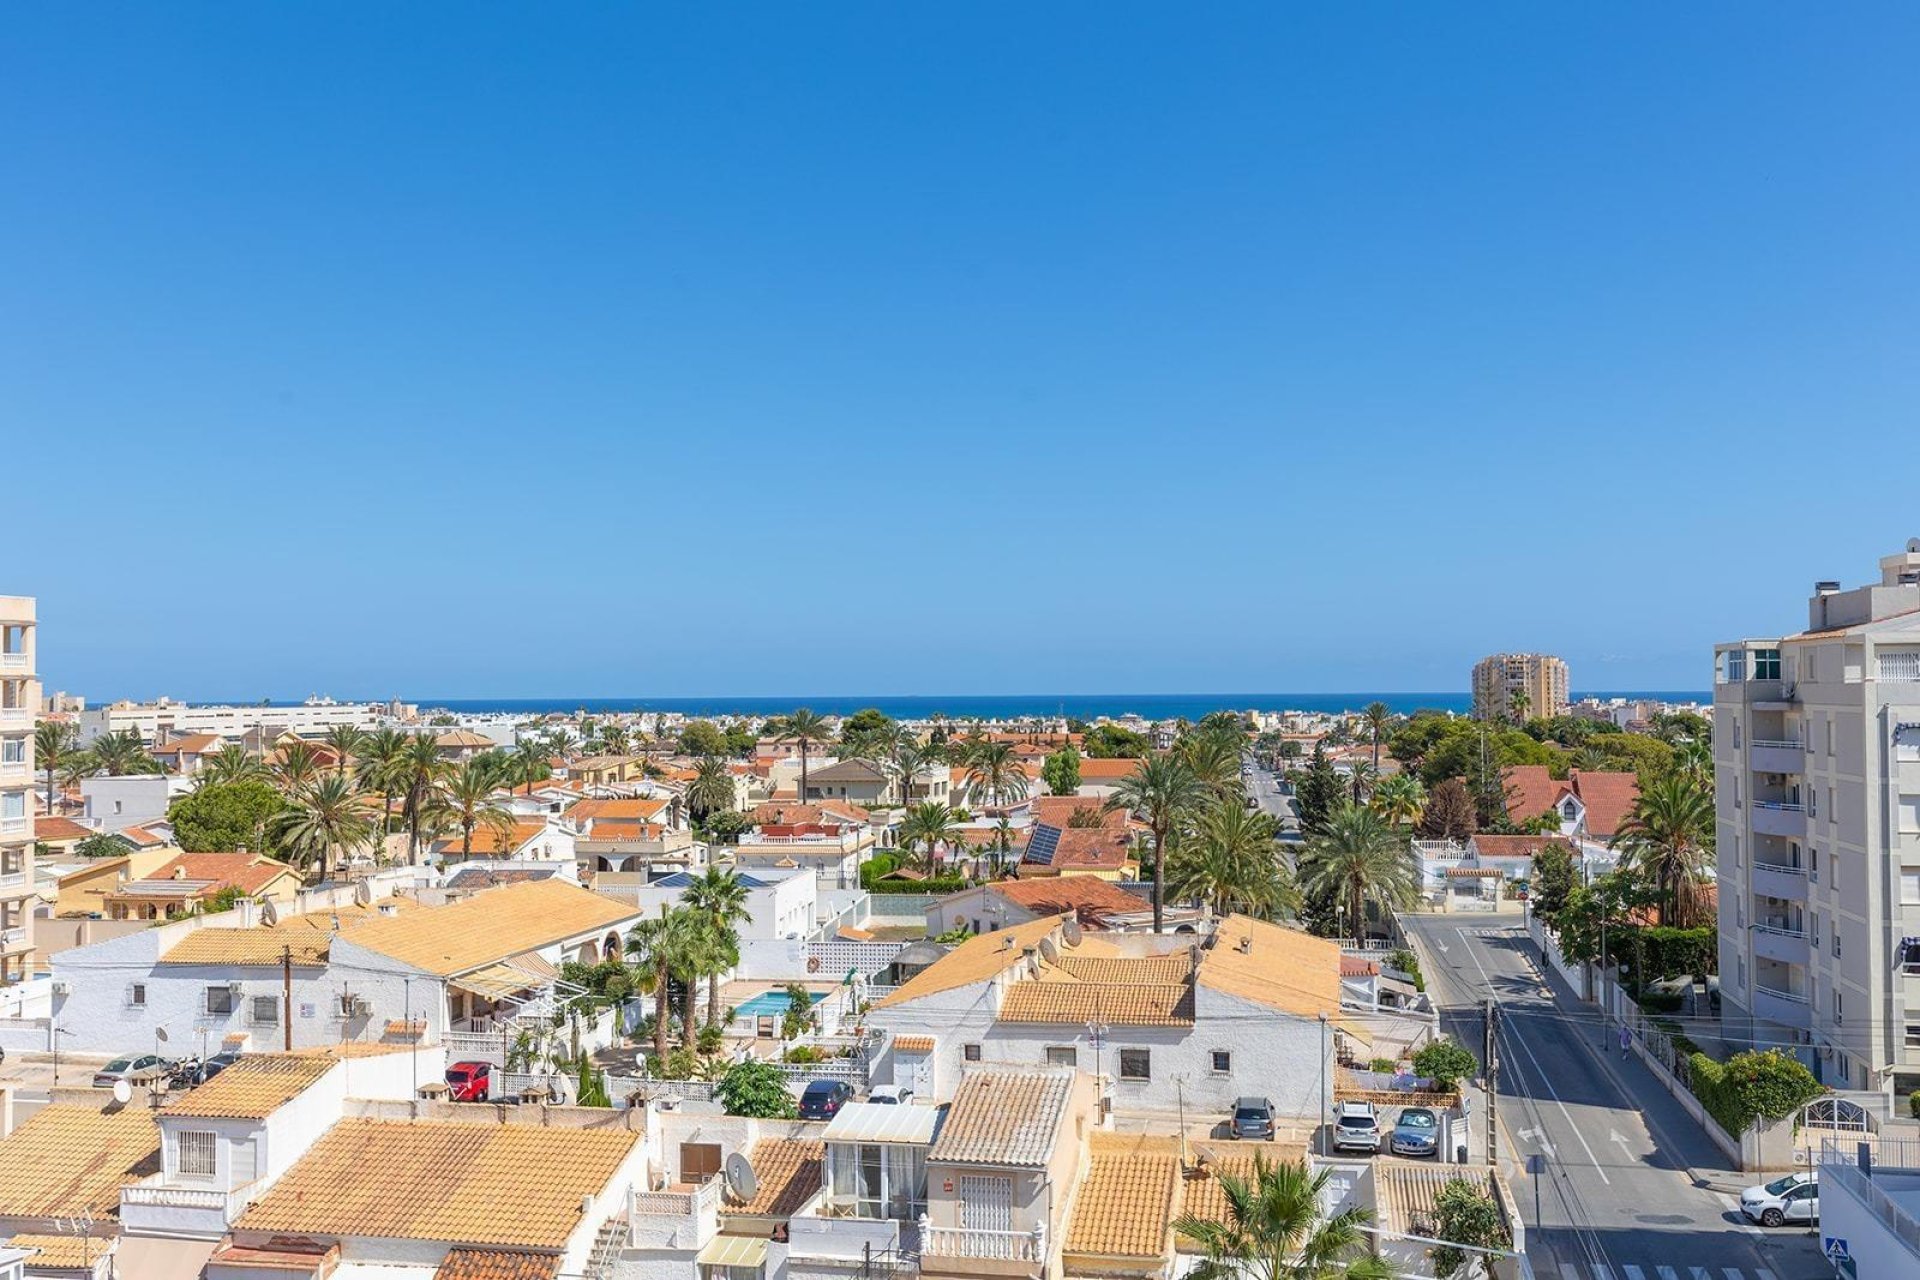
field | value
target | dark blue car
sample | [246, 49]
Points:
[824, 1098]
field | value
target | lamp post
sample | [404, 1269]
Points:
[1321, 1134]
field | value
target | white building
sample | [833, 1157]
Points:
[778, 906]
[1817, 766]
[165, 718]
[19, 698]
[115, 802]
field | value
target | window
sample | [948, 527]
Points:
[1062, 1055]
[13, 751]
[1836, 939]
[195, 1148]
[1736, 733]
[1910, 887]
[1909, 814]
[1913, 1034]
[1906, 742]
[13, 804]
[1222, 1062]
[1736, 666]
[219, 1001]
[1839, 1007]
[266, 1011]
[1136, 1064]
[971, 1052]
[1766, 664]
[1813, 865]
[137, 992]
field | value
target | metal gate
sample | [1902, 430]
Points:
[986, 1203]
[1835, 1114]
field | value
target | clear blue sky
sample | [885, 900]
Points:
[568, 350]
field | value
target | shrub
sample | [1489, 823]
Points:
[1761, 1084]
[1913, 1105]
[1660, 1001]
[941, 886]
[1408, 962]
[1384, 1066]
[755, 1088]
[1445, 1062]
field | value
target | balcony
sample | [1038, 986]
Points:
[16, 660]
[1777, 756]
[15, 940]
[1780, 880]
[1783, 1007]
[974, 1251]
[152, 1208]
[14, 884]
[16, 717]
[1785, 818]
[1780, 942]
[1898, 668]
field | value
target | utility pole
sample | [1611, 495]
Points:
[286, 995]
[1493, 1079]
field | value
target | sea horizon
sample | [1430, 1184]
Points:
[1080, 706]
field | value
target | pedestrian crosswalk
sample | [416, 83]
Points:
[1656, 1271]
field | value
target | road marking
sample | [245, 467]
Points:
[1570, 1272]
[1667, 1273]
[1600, 1271]
[1633, 1272]
[1763, 1273]
[1699, 1273]
[1732, 1273]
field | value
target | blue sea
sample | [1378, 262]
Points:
[1081, 706]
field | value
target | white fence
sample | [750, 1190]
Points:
[1572, 972]
[26, 1035]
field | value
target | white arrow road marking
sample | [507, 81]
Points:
[1614, 1135]
[1667, 1273]
[1633, 1272]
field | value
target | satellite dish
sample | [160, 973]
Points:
[1049, 952]
[269, 913]
[742, 1182]
[160, 1034]
[122, 1092]
[1071, 931]
[362, 894]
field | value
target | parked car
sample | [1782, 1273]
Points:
[1252, 1118]
[1415, 1133]
[893, 1095]
[1792, 1198]
[215, 1065]
[470, 1081]
[128, 1069]
[824, 1098]
[1356, 1127]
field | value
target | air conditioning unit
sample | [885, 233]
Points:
[61, 987]
[361, 1007]
[234, 988]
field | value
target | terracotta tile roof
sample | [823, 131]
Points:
[497, 1264]
[1406, 1191]
[1111, 770]
[1609, 798]
[1281, 968]
[192, 744]
[636, 810]
[1151, 969]
[463, 738]
[1358, 967]
[1004, 1118]
[248, 872]
[51, 830]
[142, 838]
[1530, 790]
[850, 770]
[788, 1172]
[487, 840]
[792, 813]
[913, 1044]
[1083, 849]
[492, 925]
[1200, 1191]
[462, 1183]
[61, 1252]
[1126, 1201]
[1058, 811]
[610, 830]
[1083, 895]
[254, 1087]
[1123, 1004]
[974, 960]
[309, 936]
[1493, 846]
[69, 1158]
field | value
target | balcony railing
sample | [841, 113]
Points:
[1899, 668]
[1789, 996]
[1781, 806]
[14, 882]
[973, 1242]
[675, 1204]
[1783, 930]
[1780, 868]
[15, 660]
[12, 940]
[1839, 1168]
[1790, 744]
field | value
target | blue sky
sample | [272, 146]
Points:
[491, 350]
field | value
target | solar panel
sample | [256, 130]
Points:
[1044, 842]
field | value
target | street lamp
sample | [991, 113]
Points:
[1320, 1136]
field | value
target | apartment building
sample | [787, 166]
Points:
[1817, 768]
[19, 700]
[162, 720]
[1509, 686]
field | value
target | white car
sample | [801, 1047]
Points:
[1793, 1198]
[1356, 1127]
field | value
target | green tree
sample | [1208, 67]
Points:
[1276, 1229]
[1552, 880]
[995, 777]
[52, 747]
[1449, 813]
[1445, 1062]
[756, 1088]
[1061, 771]
[324, 818]
[418, 771]
[222, 817]
[1319, 791]
[1111, 742]
[718, 900]
[930, 824]
[1378, 718]
[711, 790]
[806, 728]
[1466, 1214]
[467, 793]
[1215, 759]
[1363, 861]
[593, 1085]
[1231, 863]
[346, 741]
[530, 763]
[1667, 841]
[1399, 798]
[121, 753]
[868, 733]
[103, 846]
[702, 738]
[381, 770]
[658, 945]
[1164, 793]
[232, 763]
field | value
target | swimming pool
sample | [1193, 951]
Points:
[767, 1004]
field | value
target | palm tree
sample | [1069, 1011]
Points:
[326, 816]
[529, 763]
[657, 945]
[1215, 760]
[1518, 704]
[231, 763]
[347, 742]
[1276, 1229]
[904, 763]
[807, 728]
[381, 768]
[1378, 717]
[1360, 859]
[616, 738]
[1164, 791]
[122, 752]
[467, 791]
[1667, 840]
[1694, 757]
[297, 767]
[1231, 863]
[994, 774]
[1399, 798]
[418, 770]
[930, 823]
[711, 790]
[718, 899]
[52, 743]
[1360, 780]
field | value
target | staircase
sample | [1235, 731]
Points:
[607, 1245]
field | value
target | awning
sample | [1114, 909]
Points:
[156, 1258]
[734, 1251]
[524, 972]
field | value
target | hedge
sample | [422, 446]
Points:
[1756, 1085]
[945, 885]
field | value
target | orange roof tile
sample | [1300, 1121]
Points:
[1125, 1205]
[497, 1264]
[788, 1172]
[1531, 790]
[1058, 811]
[56, 830]
[1281, 968]
[974, 960]
[1086, 896]
[69, 1158]
[254, 1087]
[1609, 798]
[1122, 1004]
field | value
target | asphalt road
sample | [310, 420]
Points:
[1631, 1189]
[1264, 787]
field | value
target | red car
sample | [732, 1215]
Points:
[469, 1081]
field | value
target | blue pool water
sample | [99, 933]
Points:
[767, 1003]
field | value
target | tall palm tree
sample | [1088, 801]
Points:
[711, 790]
[808, 728]
[1399, 798]
[1163, 792]
[1215, 760]
[1694, 757]
[122, 752]
[232, 763]
[1360, 859]
[1231, 863]
[1378, 718]
[528, 763]
[616, 738]
[657, 945]
[994, 774]
[52, 743]
[1667, 840]
[467, 791]
[381, 768]
[718, 899]
[1276, 1229]
[346, 741]
[297, 768]
[418, 771]
[930, 823]
[325, 816]
[904, 763]
[1360, 780]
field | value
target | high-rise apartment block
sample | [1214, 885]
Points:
[19, 704]
[1519, 686]
[1817, 771]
